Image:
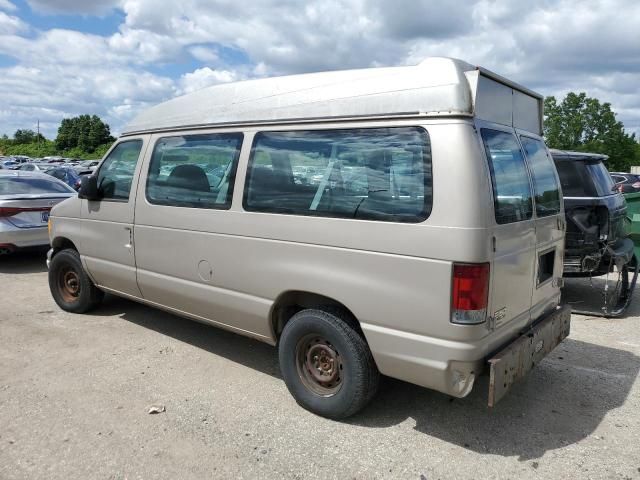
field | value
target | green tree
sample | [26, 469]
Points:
[26, 136]
[85, 132]
[582, 123]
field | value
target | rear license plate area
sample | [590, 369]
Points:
[518, 358]
[45, 217]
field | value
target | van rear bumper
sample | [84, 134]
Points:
[518, 358]
[451, 367]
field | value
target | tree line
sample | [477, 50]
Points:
[585, 124]
[577, 122]
[84, 136]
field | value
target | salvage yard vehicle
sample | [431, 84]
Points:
[404, 221]
[31, 167]
[68, 175]
[626, 182]
[26, 199]
[596, 242]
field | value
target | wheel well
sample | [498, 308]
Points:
[61, 243]
[291, 302]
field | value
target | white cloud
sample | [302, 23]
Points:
[7, 6]
[204, 54]
[51, 92]
[144, 47]
[554, 47]
[10, 25]
[205, 77]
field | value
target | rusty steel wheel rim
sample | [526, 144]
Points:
[319, 365]
[69, 284]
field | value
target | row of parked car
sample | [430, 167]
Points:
[68, 170]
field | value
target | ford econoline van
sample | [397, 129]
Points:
[401, 221]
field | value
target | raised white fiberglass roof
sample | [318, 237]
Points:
[437, 86]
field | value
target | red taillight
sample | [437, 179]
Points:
[470, 292]
[11, 211]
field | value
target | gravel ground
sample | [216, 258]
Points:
[75, 390]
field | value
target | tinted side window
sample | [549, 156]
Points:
[116, 173]
[374, 174]
[196, 171]
[545, 182]
[511, 189]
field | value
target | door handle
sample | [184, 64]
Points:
[130, 244]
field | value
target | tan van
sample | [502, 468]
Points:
[400, 221]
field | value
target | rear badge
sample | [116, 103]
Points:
[499, 315]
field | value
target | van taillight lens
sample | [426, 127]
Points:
[470, 293]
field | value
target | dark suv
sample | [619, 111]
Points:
[596, 241]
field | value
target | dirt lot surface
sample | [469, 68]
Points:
[75, 391]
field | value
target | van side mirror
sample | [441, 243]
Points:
[89, 188]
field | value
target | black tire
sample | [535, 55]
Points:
[70, 286]
[346, 388]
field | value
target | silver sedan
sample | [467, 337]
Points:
[26, 198]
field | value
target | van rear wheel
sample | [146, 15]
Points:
[70, 286]
[327, 365]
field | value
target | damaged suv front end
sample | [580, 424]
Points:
[596, 242]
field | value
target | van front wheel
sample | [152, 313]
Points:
[326, 365]
[70, 286]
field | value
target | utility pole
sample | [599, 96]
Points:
[38, 135]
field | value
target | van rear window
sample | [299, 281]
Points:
[509, 177]
[545, 180]
[371, 174]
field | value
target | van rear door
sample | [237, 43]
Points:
[549, 224]
[514, 235]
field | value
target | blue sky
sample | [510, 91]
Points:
[60, 58]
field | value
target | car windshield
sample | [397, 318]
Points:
[31, 186]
